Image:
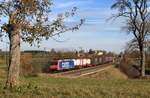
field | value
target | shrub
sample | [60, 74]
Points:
[26, 64]
[147, 62]
[32, 64]
[127, 66]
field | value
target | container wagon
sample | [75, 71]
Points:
[78, 62]
[83, 62]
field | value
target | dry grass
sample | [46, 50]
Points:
[110, 73]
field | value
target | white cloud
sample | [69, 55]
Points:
[148, 9]
[66, 4]
[71, 3]
[102, 13]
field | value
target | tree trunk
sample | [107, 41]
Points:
[142, 63]
[14, 59]
[142, 60]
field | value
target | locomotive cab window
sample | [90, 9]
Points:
[53, 63]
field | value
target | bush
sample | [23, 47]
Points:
[26, 64]
[127, 66]
[147, 62]
[32, 64]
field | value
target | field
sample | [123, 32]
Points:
[115, 86]
[111, 73]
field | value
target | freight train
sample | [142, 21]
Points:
[62, 64]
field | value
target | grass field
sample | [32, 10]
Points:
[89, 87]
[3, 67]
[111, 73]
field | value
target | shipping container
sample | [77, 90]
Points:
[77, 62]
[109, 59]
[82, 62]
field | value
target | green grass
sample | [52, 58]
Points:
[3, 67]
[50, 87]
[147, 69]
[91, 87]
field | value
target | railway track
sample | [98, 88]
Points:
[84, 71]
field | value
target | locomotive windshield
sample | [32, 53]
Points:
[53, 63]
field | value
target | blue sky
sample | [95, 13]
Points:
[96, 33]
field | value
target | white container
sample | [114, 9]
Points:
[82, 62]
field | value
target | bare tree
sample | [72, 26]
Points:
[29, 21]
[137, 17]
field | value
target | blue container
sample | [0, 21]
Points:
[66, 64]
